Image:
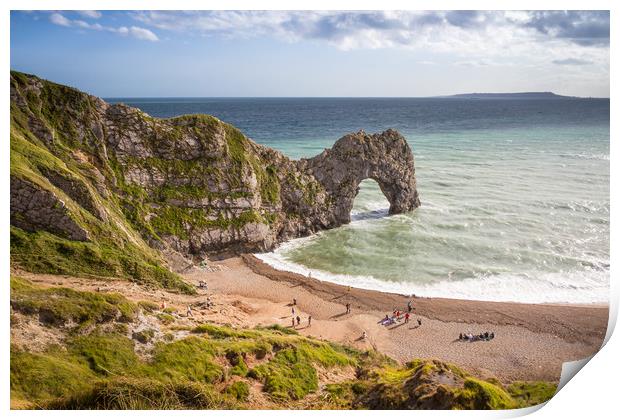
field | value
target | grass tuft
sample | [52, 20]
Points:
[59, 305]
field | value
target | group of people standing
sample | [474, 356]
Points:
[298, 318]
[397, 316]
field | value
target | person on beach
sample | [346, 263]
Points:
[293, 310]
[348, 306]
[419, 322]
[298, 320]
[189, 311]
[406, 317]
[163, 305]
[309, 320]
[409, 306]
[294, 301]
[293, 322]
[363, 335]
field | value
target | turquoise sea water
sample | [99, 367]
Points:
[515, 194]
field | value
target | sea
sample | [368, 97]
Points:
[514, 192]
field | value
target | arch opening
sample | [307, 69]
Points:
[370, 201]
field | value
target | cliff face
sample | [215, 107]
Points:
[87, 171]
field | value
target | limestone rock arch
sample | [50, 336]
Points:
[384, 157]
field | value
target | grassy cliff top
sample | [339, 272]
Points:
[97, 364]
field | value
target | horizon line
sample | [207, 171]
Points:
[451, 96]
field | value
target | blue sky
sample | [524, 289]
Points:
[280, 53]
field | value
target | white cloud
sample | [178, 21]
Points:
[134, 31]
[389, 29]
[92, 14]
[142, 33]
[479, 39]
[58, 19]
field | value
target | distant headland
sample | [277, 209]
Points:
[510, 95]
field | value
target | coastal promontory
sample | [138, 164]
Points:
[109, 178]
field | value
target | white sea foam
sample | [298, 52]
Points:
[595, 156]
[588, 286]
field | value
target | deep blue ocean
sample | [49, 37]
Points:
[514, 192]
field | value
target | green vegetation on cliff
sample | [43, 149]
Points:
[119, 185]
[58, 165]
[60, 305]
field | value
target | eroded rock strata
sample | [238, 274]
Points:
[87, 170]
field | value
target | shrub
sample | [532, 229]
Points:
[148, 306]
[165, 318]
[59, 305]
[144, 394]
[527, 394]
[191, 358]
[144, 336]
[43, 376]
[105, 354]
[239, 390]
[289, 375]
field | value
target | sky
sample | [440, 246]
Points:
[314, 53]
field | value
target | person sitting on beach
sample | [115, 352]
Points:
[388, 321]
[492, 335]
